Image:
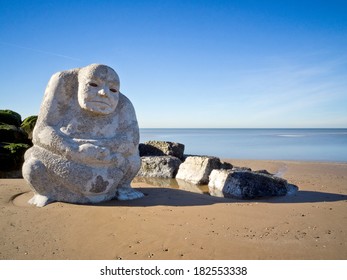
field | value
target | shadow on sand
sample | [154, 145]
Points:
[176, 197]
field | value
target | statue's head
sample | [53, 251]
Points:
[98, 89]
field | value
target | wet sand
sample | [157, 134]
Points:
[179, 221]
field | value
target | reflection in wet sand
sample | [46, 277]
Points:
[173, 184]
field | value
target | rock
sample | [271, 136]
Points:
[263, 171]
[85, 140]
[12, 134]
[242, 168]
[196, 169]
[28, 125]
[226, 165]
[13, 144]
[159, 166]
[292, 189]
[11, 157]
[246, 184]
[10, 117]
[161, 148]
[14, 174]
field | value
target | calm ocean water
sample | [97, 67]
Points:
[272, 144]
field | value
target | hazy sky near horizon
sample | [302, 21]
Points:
[187, 63]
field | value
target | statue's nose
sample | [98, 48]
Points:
[103, 92]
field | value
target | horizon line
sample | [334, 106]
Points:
[242, 127]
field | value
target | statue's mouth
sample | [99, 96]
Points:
[100, 102]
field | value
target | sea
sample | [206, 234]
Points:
[264, 144]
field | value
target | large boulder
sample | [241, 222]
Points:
[196, 169]
[11, 134]
[226, 165]
[161, 148]
[13, 144]
[11, 157]
[247, 184]
[28, 125]
[159, 166]
[10, 117]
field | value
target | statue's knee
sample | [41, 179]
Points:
[33, 168]
[135, 162]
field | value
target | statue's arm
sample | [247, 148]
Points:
[54, 107]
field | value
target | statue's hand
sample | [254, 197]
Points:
[125, 149]
[93, 153]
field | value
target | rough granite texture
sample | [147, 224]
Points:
[197, 169]
[247, 184]
[160, 166]
[85, 140]
[162, 148]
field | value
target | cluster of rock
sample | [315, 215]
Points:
[159, 159]
[167, 160]
[15, 139]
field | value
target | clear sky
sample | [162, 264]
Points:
[187, 63]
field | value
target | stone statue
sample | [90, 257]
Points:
[85, 140]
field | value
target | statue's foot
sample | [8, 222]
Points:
[39, 200]
[128, 193]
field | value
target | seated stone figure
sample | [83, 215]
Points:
[85, 140]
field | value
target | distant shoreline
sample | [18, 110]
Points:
[314, 144]
[284, 160]
[245, 128]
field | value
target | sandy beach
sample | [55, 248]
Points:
[178, 223]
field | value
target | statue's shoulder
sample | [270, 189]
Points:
[66, 74]
[124, 101]
[125, 108]
[62, 84]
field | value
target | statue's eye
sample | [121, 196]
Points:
[113, 90]
[93, 84]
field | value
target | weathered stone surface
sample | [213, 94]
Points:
[246, 184]
[241, 168]
[161, 148]
[85, 140]
[226, 165]
[196, 169]
[159, 166]
[263, 171]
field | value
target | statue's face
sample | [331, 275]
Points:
[98, 89]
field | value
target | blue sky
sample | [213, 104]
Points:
[187, 63]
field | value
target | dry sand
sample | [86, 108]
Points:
[171, 223]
